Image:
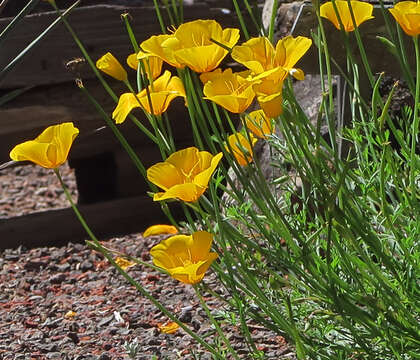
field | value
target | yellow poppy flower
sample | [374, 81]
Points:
[259, 124]
[152, 64]
[184, 175]
[407, 15]
[50, 149]
[185, 257]
[112, 67]
[241, 148]
[270, 97]
[267, 62]
[162, 46]
[163, 90]
[362, 11]
[160, 229]
[229, 90]
[191, 45]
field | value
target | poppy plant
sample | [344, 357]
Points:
[184, 175]
[362, 11]
[194, 44]
[231, 91]
[185, 257]
[50, 149]
[407, 15]
[162, 91]
[112, 67]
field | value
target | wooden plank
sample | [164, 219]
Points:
[99, 27]
[25, 117]
[58, 227]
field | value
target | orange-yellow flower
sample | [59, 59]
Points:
[241, 148]
[184, 175]
[162, 47]
[267, 62]
[50, 149]
[270, 97]
[191, 45]
[259, 124]
[124, 263]
[162, 91]
[407, 14]
[362, 11]
[229, 90]
[160, 229]
[169, 328]
[185, 257]
[152, 64]
[112, 67]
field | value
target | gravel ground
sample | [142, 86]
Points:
[69, 303]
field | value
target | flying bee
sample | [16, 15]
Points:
[75, 65]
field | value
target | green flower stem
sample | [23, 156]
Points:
[160, 138]
[116, 131]
[74, 207]
[159, 16]
[97, 73]
[273, 20]
[127, 147]
[192, 110]
[215, 323]
[330, 111]
[361, 47]
[241, 19]
[85, 53]
[415, 129]
[130, 32]
[128, 257]
[133, 282]
[24, 52]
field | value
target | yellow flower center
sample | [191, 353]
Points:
[183, 260]
[200, 41]
[188, 177]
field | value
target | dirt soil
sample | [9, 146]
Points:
[69, 303]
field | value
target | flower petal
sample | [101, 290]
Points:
[112, 67]
[126, 103]
[165, 175]
[188, 192]
[159, 230]
[202, 179]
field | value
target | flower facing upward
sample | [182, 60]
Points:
[192, 45]
[362, 11]
[50, 149]
[269, 67]
[152, 64]
[241, 148]
[112, 67]
[229, 90]
[185, 258]
[162, 91]
[184, 175]
[267, 62]
[407, 14]
[259, 124]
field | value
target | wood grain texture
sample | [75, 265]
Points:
[99, 27]
[58, 227]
